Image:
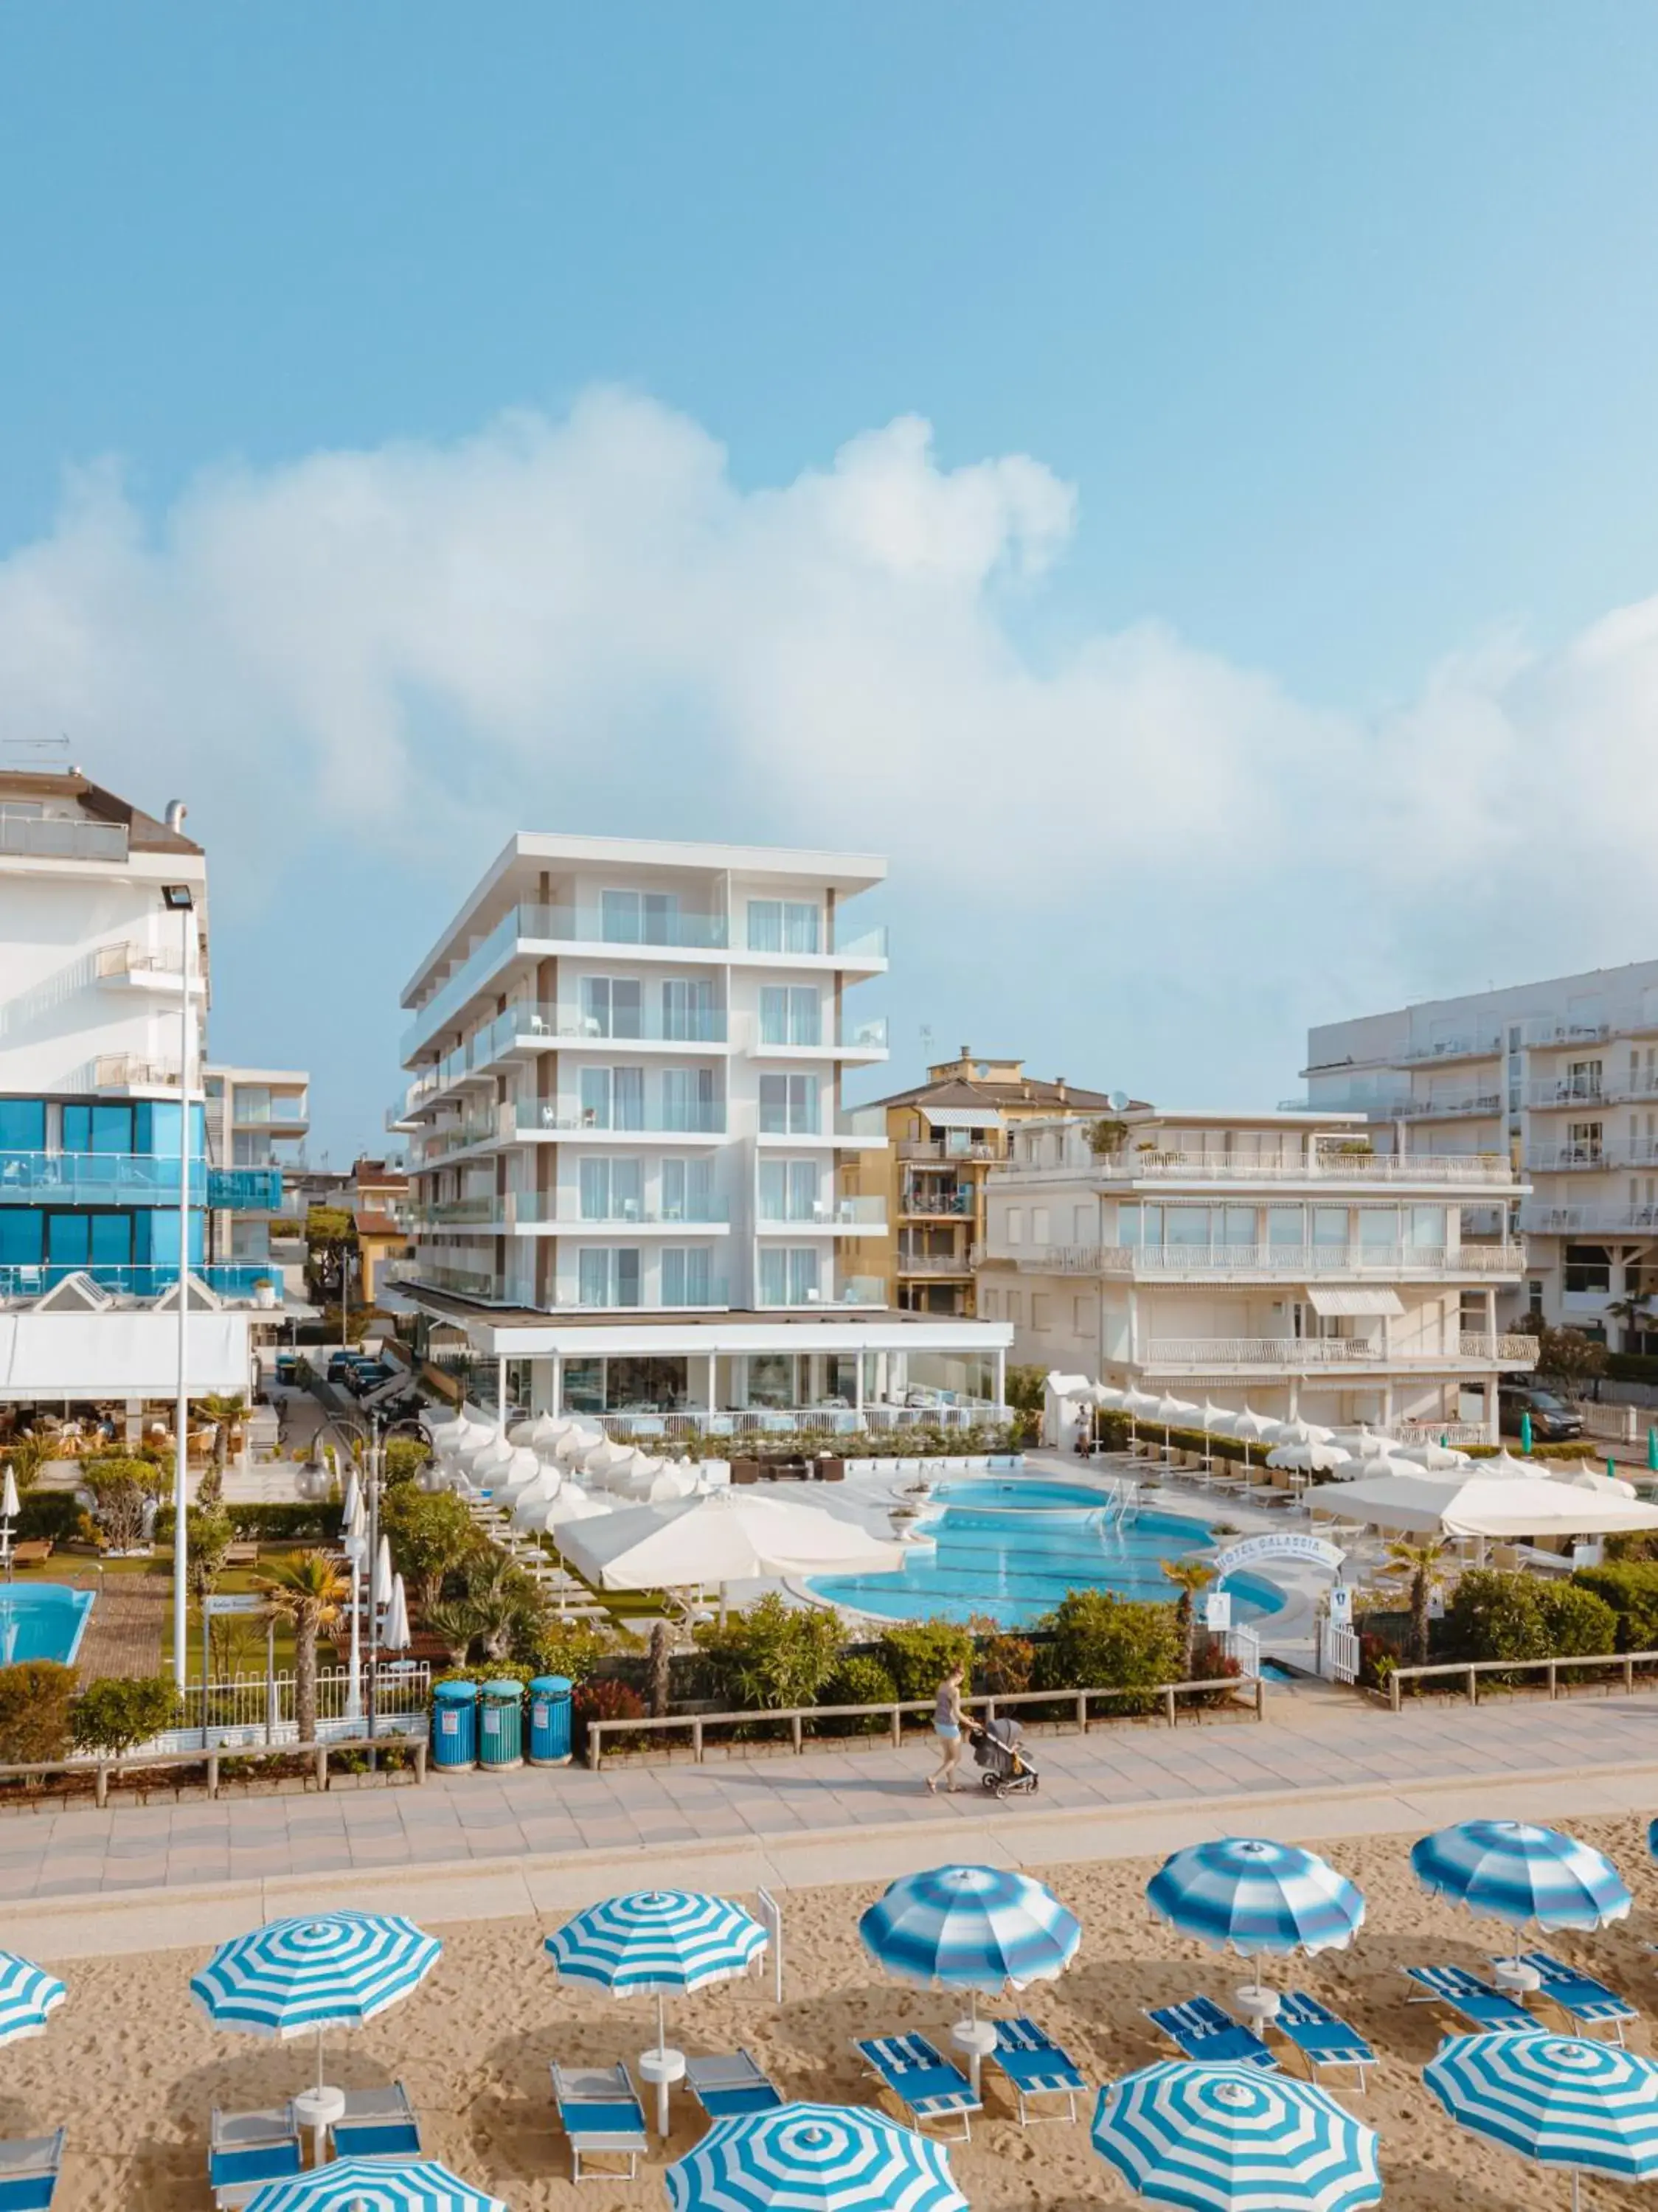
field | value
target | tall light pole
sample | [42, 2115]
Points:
[178, 899]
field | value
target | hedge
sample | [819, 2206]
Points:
[1630, 1587]
[1631, 1367]
[306, 1523]
[1494, 1614]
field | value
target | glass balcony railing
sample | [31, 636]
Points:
[826, 1213]
[142, 1281]
[42, 837]
[95, 1178]
[244, 1190]
[695, 1118]
[698, 1296]
[851, 1290]
[861, 944]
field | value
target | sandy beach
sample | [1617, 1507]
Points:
[134, 2071]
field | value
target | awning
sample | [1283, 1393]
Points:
[963, 1117]
[1351, 1304]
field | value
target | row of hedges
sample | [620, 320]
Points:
[310, 1522]
[1111, 1429]
[1499, 1613]
[42, 1714]
[920, 1443]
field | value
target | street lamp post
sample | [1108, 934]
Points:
[179, 899]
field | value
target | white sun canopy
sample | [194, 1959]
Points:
[724, 1536]
[122, 1354]
[1353, 1304]
[1478, 1505]
[963, 1117]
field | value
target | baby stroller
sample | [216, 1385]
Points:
[1006, 1766]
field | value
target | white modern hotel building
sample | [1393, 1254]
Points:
[1276, 1260]
[634, 1169]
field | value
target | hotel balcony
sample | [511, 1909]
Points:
[1641, 1152]
[132, 967]
[864, 1042]
[128, 1179]
[1617, 1217]
[863, 1292]
[839, 1217]
[27, 1282]
[244, 1190]
[34, 837]
[940, 1152]
[1323, 1355]
[1569, 1091]
[516, 1212]
[123, 1071]
[934, 1263]
[1481, 1171]
[843, 1127]
[486, 1286]
[1298, 1263]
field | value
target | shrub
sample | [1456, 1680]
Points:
[1630, 1587]
[605, 1700]
[119, 1712]
[25, 1456]
[773, 1655]
[404, 1456]
[431, 1536]
[123, 1491]
[859, 1680]
[1377, 1661]
[1104, 1642]
[1498, 1616]
[1004, 1664]
[919, 1655]
[570, 1648]
[51, 1513]
[1576, 1623]
[34, 1702]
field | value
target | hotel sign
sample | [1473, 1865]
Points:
[1281, 1544]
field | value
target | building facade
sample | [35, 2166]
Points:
[625, 1111]
[1278, 1260]
[944, 1137]
[256, 1122]
[1559, 1078]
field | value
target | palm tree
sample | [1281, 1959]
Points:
[224, 1413]
[1425, 1565]
[1188, 1576]
[309, 1592]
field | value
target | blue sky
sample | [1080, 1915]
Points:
[1328, 335]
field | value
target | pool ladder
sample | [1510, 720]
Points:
[1121, 1509]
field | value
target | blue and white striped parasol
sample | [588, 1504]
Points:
[657, 1942]
[1247, 1894]
[310, 1974]
[1505, 1870]
[1591, 2107]
[1234, 2139]
[814, 2158]
[28, 1994]
[970, 1928]
[374, 2185]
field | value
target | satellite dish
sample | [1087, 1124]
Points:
[1118, 1101]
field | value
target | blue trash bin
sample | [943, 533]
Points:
[500, 1725]
[455, 1724]
[549, 1702]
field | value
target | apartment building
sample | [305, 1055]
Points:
[256, 1122]
[104, 975]
[632, 1162]
[944, 1137]
[1560, 1077]
[1278, 1260]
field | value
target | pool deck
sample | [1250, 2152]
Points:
[470, 1846]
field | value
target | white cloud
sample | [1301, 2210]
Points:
[587, 621]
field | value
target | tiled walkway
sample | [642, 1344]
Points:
[1143, 1781]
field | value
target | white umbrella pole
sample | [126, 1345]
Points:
[661, 2023]
[319, 2056]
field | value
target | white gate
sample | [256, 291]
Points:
[1338, 1652]
[1244, 1645]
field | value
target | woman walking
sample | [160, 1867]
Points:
[950, 1724]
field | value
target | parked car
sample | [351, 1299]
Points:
[1553, 1421]
[369, 1375]
[340, 1366]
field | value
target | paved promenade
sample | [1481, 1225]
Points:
[477, 1845]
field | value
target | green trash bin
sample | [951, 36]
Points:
[500, 1725]
[550, 1696]
[454, 1735]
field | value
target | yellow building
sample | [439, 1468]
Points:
[942, 1139]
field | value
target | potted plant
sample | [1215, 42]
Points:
[265, 1292]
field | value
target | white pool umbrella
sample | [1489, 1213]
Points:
[1591, 1478]
[1253, 1427]
[573, 1504]
[379, 1589]
[1438, 1458]
[1310, 1459]
[490, 1464]
[1297, 1432]
[11, 1505]
[1218, 1419]
[605, 1456]
[1139, 1403]
[529, 1507]
[722, 1536]
[1107, 1396]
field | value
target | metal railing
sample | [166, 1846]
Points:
[260, 1708]
[1561, 1159]
[937, 1148]
[1242, 1689]
[123, 1071]
[1328, 1164]
[1304, 1263]
[1578, 1220]
[1313, 1352]
[545, 1117]
[934, 1263]
[1569, 1091]
[782, 1422]
[830, 1213]
[1442, 1109]
[1470, 1671]
[116, 963]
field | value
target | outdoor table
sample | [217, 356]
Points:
[1516, 1978]
[1258, 2007]
[978, 2039]
[663, 2067]
[318, 2109]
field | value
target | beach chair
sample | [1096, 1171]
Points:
[728, 2089]
[1205, 2032]
[1587, 2001]
[599, 2110]
[1321, 2037]
[1032, 2065]
[1489, 2011]
[376, 2123]
[247, 2150]
[29, 2171]
[927, 2086]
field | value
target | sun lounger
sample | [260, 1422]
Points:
[599, 2110]
[727, 2089]
[1203, 2032]
[1321, 2037]
[29, 2171]
[1589, 2003]
[925, 2084]
[1032, 2065]
[247, 2150]
[377, 2124]
[1489, 2010]
[33, 1552]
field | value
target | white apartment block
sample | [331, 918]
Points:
[257, 1120]
[1275, 1260]
[1561, 1078]
[629, 1141]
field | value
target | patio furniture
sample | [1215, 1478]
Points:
[730, 2088]
[599, 2110]
[34, 1551]
[1206, 2033]
[1589, 2002]
[376, 2123]
[245, 2150]
[1322, 2036]
[927, 2086]
[1485, 2009]
[29, 2167]
[1032, 2065]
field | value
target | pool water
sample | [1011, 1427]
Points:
[42, 1620]
[1011, 1549]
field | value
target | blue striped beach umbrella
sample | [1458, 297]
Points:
[28, 1994]
[1234, 2139]
[1247, 1894]
[1505, 1870]
[1590, 2107]
[814, 2158]
[970, 1928]
[657, 1942]
[374, 2185]
[311, 1973]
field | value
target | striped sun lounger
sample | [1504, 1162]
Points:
[1322, 2038]
[599, 2110]
[1032, 2065]
[1489, 2010]
[1590, 2003]
[1209, 2036]
[377, 2124]
[727, 2088]
[247, 2150]
[925, 2084]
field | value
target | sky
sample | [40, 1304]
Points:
[1178, 480]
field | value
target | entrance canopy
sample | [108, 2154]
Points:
[122, 1354]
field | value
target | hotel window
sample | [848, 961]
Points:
[1015, 1230]
[612, 1098]
[1427, 1228]
[1582, 1079]
[1038, 1224]
[1016, 1307]
[686, 1276]
[688, 1190]
[782, 926]
[637, 917]
[1286, 1226]
[611, 1006]
[1082, 1224]
[688, 1012]
[1379, 1227]
[791, 1190]
[100, 1129]
[1041, 1311]
[1330, 1225]
[789, 1106]
[1082, 1317]
[23, 1125]
[789, 1276]
[790, 1013]
[1587, 1268]
[690, 1099]
[608, 1275]
[612, 1190]
[1583, 1142]
[989, 1303]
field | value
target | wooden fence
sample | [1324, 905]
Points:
[1468, 1671]
[411, 1749]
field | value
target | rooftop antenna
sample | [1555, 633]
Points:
[34, 745]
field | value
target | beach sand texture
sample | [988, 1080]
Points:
[133, 2069]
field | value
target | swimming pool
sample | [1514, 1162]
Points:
[42, 1620]
[1011, 1549]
